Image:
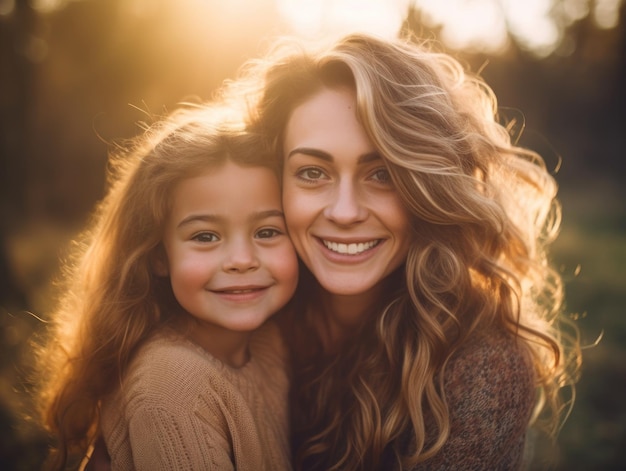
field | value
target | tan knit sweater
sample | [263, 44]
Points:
[179, 408]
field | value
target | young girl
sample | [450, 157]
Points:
[155, 339]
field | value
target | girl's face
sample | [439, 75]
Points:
[343, 213]
[229, 259]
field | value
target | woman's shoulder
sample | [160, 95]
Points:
[492, 353]
[490, 383]
[493, 370]
[493, 347]
[490, 392]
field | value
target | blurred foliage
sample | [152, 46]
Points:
[74, 80]
[591, 251]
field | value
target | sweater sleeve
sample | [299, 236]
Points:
[490, 392]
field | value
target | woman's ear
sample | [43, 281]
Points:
[158, 262]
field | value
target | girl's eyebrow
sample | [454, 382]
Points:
[320, 154]
[256, 216]
[270, 213]
[198, 218]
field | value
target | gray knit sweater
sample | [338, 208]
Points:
[490, 390]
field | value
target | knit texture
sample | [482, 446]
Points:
[179, 408]
[490, 390]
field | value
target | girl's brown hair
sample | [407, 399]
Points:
[110, 299]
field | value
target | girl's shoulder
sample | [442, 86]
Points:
[169, 365]
[170, 350]
[167, 374]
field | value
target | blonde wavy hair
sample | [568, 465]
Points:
[485, 213]
[110, 299]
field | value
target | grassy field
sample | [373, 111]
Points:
[593, 239]
[591, 252]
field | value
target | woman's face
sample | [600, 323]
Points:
[343, 213]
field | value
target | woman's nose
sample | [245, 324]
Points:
[240, 256]
[346, 206]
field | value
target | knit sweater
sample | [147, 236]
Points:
[179, 408]
[490, 389]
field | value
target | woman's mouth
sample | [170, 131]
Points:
[355, 248]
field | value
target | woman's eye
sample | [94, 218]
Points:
[268, 233]
[381, 175]
[205, 237]
[310, 174]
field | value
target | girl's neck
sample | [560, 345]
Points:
[229, 346]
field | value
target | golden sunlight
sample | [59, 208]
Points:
[606, 13]
[537, 25]
[470, 25]
[328, 18]
[474, 25]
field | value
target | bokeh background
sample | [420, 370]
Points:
[76, 76]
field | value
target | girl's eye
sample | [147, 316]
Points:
[268, 233]
[381, 175]
[205, 237]
[310, 174]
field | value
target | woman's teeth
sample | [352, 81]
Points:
[350, 249]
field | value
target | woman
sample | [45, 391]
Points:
[426, 334]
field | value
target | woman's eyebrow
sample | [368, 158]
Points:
[369, 157]
[320, 154]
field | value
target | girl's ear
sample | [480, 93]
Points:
[158, 262]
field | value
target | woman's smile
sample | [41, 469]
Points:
[354, 248]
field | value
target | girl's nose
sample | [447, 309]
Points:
[240, 257]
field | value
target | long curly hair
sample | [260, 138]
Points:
[110, 299]
[484, 212]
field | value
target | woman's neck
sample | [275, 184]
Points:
[338, 317]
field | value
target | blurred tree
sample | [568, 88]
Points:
[575, 95]
[15, 105]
